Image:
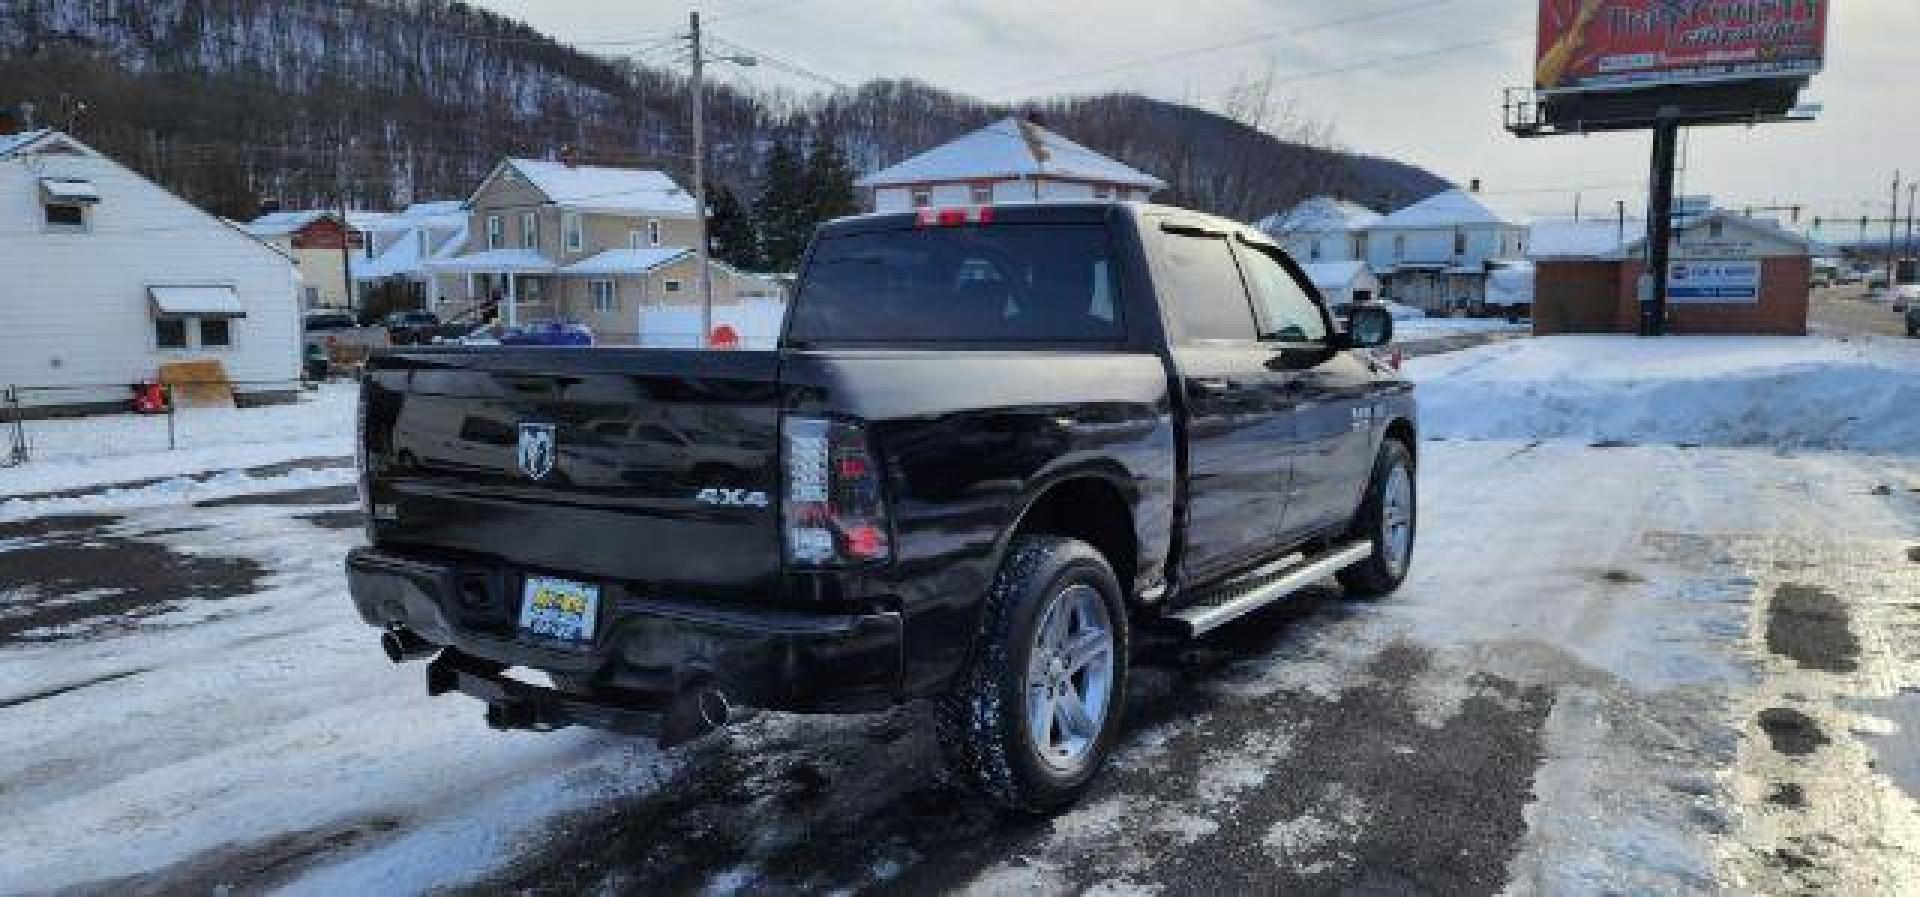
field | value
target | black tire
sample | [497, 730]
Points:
[1378, 575]
[983, 721]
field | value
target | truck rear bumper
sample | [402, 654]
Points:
[647, 651]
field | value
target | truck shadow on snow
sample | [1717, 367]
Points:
[1217, 788]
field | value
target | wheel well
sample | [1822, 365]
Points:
[1091, 510]
[1402, 430]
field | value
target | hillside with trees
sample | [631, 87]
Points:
[377, 103]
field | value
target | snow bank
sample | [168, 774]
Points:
[1808, 392]
[81, 452]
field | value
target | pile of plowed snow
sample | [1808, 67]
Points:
[1811, 392]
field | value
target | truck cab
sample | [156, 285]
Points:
[994, 444]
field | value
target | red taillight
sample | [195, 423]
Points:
[1399, 357]
[835, 512]
[955, 217]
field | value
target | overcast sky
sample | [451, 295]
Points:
[1433, 108]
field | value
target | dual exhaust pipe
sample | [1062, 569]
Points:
[402, 645]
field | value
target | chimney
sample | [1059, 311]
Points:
[1473, 186]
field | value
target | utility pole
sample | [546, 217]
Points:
[1893, 224]
[1620, 211]
[1913, 194]
[346, 258]
[700, 177]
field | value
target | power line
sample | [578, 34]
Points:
[784, 64]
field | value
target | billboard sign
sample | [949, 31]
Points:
[1605, 45]
[1710, 283]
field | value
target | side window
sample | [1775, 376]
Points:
[1287, 312]
[1207, 298]
[170, 333]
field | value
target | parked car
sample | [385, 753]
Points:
[994, 445]
[547, 333]
[412, 328]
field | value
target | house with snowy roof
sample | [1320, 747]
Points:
[1011, 160]
[1439, 253]
[111, 277]
[1343, 282]
[1730, 274]
[555, 240]
[322, 245]
[1322, 229]
[400, 246]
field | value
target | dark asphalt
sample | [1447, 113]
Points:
[1295, 793]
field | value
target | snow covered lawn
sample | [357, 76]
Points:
[1811, 392]
[81, 452]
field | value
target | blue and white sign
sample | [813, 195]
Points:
[1714, 283]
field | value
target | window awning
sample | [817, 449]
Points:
[69, 190]
[204, 301]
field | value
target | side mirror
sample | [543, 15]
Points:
[1369, 327]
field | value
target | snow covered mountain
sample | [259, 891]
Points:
[380, 102]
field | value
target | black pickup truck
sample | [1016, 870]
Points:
[993, 445]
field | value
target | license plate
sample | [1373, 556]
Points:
[559, 609]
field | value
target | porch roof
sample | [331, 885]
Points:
[628, 261]
[496, 261]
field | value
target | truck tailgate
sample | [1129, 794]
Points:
[657, 469]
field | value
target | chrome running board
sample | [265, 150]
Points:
[1204, 618]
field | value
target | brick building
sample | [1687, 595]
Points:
[1730, 275]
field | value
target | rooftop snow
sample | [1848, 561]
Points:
[496, 261]
[1334, 275]
[279, 224]
[628, 261]
[11, 142]
[1577, 239]
[610, 190]
[1321, 214]
[1450, 209]
[1010, 148]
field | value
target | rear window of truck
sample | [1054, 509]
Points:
[992, 283]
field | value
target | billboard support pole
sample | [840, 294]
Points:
[1653, 301]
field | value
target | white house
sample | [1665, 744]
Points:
[1343, 282]
[1438, 253]
[110, 276]
[1011, 160]
[1322, 229]
[400, 246]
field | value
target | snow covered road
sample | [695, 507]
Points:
[1637, 668]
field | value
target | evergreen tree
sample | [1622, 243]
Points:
[782, 210]
[731, 230]
[829, 183]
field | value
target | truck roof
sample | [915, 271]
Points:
[1090, 212]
